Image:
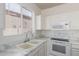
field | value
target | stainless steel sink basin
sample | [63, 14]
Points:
[34, 42]
[29, 44]
[25, 46]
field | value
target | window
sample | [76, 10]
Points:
[27, 20]
[13, 15]
[17, 19]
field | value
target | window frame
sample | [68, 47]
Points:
[21, 20]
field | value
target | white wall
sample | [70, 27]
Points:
[64, 8]
[19, 38]
[68, 9]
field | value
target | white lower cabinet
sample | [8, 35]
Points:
[41, 50]
[75, 52]
[75, 48]
[34, 52]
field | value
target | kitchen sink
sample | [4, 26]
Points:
[25, 46]
[34, 41]
[29, 44]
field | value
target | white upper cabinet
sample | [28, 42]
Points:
[74, 20]
[38, 22]
[2, 15]
[65, 21]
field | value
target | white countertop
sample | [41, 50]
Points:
[21, 52]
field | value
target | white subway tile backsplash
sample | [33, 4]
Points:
[70, 34]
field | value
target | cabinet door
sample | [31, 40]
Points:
[2, 15]
[75, 52]
[45, 48]
[34, 52]
[38, 22]
[74, 20]
[42, 50]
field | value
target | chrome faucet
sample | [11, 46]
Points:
[26, 38]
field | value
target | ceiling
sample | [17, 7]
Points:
[47, 5]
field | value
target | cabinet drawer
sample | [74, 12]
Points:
[75, 52]
[76, 46]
